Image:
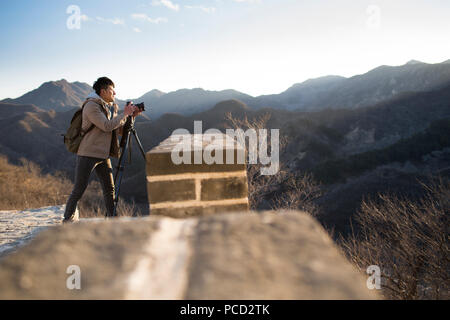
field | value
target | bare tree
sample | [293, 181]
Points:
[299, 194]
[287, 189]
[408, 240]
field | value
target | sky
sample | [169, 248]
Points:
[253, 46]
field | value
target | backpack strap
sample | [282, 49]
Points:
[83, 133]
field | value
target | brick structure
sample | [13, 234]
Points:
[196, 186]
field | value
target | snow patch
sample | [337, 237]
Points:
[18, 227]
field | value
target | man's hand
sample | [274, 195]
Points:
[130, 109]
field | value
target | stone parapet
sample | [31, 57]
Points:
[193, 175]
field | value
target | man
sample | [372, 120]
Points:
[102, 125]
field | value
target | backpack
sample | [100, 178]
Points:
[74, 134]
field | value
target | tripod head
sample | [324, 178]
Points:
[125, 141]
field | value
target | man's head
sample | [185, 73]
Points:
[104, 87]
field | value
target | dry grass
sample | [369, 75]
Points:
[25, 186]
[92, 204]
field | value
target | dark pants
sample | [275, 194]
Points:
[84, 167]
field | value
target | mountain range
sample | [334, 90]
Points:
[329, 92]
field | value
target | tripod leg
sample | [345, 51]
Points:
[139, 142]
[118, 177]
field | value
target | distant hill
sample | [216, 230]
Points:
[151, 96]
[383, 83]
[218, 112]
[186, 101]
[58, 95]
[390, 120]
[301, 95]
[36, 136]
[375, 86]
[9, 110]
[435, 137]
[336, 134]
[414, 62]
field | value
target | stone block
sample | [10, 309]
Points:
[187, 212]
[226, 188]
[178, 190]
[159, 159]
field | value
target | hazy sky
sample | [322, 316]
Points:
[254, 46]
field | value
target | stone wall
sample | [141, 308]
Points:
[208, 180]
[242, 255]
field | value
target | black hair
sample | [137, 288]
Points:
[102, 83]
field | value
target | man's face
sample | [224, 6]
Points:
[108, 94]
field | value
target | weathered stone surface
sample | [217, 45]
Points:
[159, 159]
[160, 163]
[268, 255]
[105, 252]
[178, 190]
[227, 188]
[199, 211]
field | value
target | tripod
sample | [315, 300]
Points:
[125, 143]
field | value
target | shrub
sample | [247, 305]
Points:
[409, 241]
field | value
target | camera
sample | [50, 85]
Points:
[140, 106]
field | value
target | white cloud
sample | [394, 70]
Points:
[144, 17]
[204, 9]
[85, 17]
[139, 16]
[167, 3]
[249, 1]
[116, 21]
[137, 30]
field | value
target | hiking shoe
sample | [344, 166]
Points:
[67, 220]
